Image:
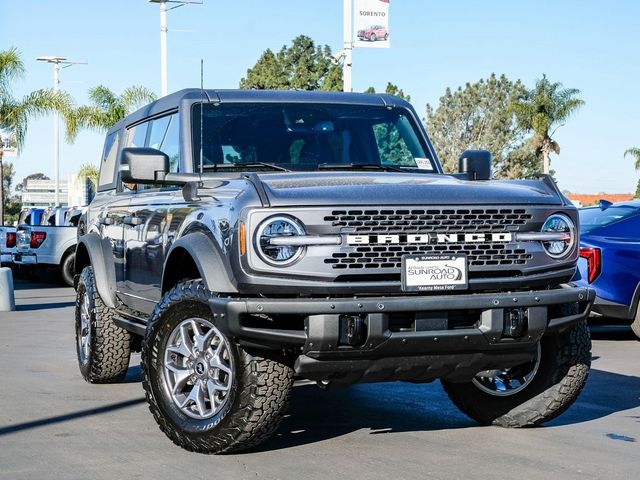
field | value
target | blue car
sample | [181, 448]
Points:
[610, 259]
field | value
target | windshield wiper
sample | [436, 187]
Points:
[359, 166]
[272, 166]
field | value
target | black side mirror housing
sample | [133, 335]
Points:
[475, 164]
[143, 165]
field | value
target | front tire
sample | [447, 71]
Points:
[208, 394]
[373, 37]
[560, 375]
[67, 268]
[103, 348]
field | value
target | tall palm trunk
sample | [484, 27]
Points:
[1, 183]
[547, 161]
[546, 149]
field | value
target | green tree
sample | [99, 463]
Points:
[391, 89]
[34, 176]
[480, 116]
[635, 153]
[105, 109]
[542, 111]
[91, 172]
[7, 181]
[302, 66]
[16, 113]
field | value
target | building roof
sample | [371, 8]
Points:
[586, 199]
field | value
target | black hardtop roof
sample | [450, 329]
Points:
[191, 95]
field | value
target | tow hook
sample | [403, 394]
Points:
[515, 322]
[353, 330]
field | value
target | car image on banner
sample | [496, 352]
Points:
[372, 23]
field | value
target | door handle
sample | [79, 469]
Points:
[131, 220]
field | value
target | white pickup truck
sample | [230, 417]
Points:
[50, 244]
[7, 244]
[28, 216]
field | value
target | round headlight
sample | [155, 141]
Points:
[563, 225]
[278, 227]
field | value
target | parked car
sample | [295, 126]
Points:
[610, 259]
[8, 234]
[50, 245]
[30, 216]
[373, 33]
[7, 244]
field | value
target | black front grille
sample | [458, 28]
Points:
[389, 256]
[382, 221]
[440, 220]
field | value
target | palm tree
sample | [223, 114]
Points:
[542, 109]
[106, 109]
[16, 113]
[634, 152]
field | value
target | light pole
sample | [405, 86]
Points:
[348, 45]
[57, 61]
[163, 36]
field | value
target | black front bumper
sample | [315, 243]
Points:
[418, 355]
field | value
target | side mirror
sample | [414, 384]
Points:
[143, 165]
[475, 164]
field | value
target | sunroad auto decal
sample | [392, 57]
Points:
[434, 272]
[430, 238]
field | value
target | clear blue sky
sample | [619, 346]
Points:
[591, 45]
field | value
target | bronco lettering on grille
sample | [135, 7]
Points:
[430, 238]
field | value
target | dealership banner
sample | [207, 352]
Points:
[371, 18]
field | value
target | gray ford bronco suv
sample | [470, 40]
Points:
[244, 239]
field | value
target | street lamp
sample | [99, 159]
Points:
[163, 36]
[57, 61]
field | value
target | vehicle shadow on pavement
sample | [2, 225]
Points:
[43, 306]
[36, 285]
[612, 332]
[315, 415]
[6, 430]
[605, 393]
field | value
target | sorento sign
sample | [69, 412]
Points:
[372, 23]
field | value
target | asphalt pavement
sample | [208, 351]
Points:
[53, 425]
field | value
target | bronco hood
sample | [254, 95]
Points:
[393, 188]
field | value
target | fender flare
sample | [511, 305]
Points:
[100, 257]
[208, 259]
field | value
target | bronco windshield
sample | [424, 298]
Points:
[306, 137]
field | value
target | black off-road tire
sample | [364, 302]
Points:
[561, 375]
[258, 397]
[109, 345]
[67, 268]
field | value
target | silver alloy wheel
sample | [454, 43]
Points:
[508, 381]
[198, 368]
[84, 335]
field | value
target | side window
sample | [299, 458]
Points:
[164, 135]
[137, 135]
[108, 162]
